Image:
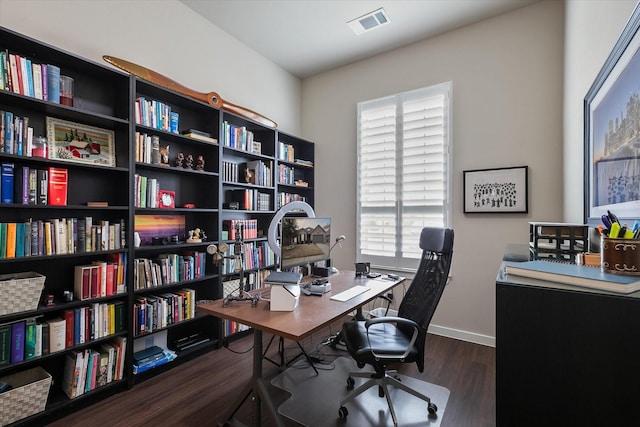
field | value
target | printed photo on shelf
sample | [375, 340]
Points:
[612, 132]
[502, 190]
[149, 227]
[76, 142]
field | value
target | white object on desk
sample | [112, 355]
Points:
[284, 297]
[350, 293]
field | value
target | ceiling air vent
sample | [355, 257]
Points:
[369, 21]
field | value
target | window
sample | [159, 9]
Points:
[403, 173]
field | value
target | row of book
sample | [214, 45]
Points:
[284, 198]
[286, 174]
[286, 152]
[16, 136]
[254, 172]
[240, 138]
[168, 268]
[101, 278]
[250, 199]
[147, 148]
[88, 369]
[59, 236]
[30, 186]
[249, 228]
[156, 114]
[22, 75]
[146, 192]
[154, 312]
[99, 320]
[257, 255]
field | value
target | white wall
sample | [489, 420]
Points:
[507, 111]
[592, 29]
[168, 37]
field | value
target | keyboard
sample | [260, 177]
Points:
[349, 293]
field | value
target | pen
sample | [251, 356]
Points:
[606, 221]
[612, 217]
[629, 234]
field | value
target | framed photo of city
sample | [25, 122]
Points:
[76, 142]
[612, 132]
[501, 190]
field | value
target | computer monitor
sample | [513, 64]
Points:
[304, 241]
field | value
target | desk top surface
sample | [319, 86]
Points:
[312, 313]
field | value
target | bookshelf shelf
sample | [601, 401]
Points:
[108, 98]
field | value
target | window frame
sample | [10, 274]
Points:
[396, 261]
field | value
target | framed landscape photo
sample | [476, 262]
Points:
[612, 132]
[501, 190]
[76, 142]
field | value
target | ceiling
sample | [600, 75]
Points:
[306, 37]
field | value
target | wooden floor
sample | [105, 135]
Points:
[198, 392]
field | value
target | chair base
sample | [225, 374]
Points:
[383, 382]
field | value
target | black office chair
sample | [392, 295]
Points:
[382, 341]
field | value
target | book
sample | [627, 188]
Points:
[577, 275]
[30, 339]
[42, 186]
[53, 83]
[6, 182]
[17, 341]
[57, 334]
[201, 137]
[283, 278]
[72, 372]
[58, 181]
[5, 344]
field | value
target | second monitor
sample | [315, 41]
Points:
[304, 241]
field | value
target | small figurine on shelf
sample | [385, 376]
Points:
[189, 163]
[180, 160]
[200, 163]
[194, 236]
[164, 155]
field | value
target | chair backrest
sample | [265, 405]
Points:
[421, 299]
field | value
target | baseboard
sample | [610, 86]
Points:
[463, 335]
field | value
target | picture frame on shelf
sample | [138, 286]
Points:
[499, 190]
[612, 132]
[80, 143]
[166, 199]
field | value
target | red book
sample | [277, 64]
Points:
[95, 281]
[111, 280]
[82, 281]
[69, 318]
[58, 186]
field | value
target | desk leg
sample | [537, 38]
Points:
[257, 389]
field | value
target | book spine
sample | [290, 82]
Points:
[5, 344]
[7, 182]
[17, 341]
[53, 83]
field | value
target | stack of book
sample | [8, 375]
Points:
[150, 358]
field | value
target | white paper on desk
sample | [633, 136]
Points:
[350, 293]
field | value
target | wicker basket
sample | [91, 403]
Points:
[20, 292]
[28, 395]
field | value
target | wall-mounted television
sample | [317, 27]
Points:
[304, 241]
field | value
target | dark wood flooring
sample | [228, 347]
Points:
[198, 392]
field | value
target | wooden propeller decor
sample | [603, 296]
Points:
[211, 98]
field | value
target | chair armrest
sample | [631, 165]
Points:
[398, 320]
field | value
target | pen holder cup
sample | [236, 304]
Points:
[620, 256]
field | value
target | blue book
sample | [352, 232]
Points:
[30, 78]
[572, 274]
[17, 342]
[8, 132]
[20, 239]
[53, 83]
[6, 183]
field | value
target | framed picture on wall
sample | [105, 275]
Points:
[612, 132]
[502, 190]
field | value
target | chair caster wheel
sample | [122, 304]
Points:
[350, 384]
[343, 412]
[432, 408]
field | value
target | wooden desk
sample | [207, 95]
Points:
[565, 356]
[312, 314]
